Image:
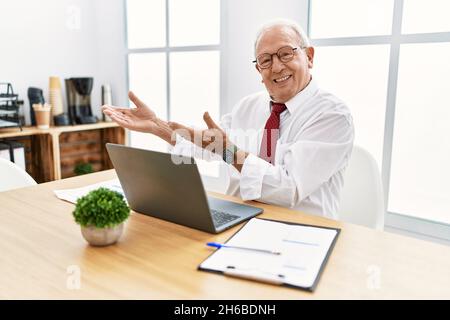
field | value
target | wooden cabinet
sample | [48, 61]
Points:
[52, 154]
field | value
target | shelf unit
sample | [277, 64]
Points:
[9, 107]
[51, 154]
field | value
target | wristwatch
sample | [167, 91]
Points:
[228, 154]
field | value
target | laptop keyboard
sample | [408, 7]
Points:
[220, 217]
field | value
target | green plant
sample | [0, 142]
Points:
[102, 208]
[83, 168]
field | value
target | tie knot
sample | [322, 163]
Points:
[278, 107]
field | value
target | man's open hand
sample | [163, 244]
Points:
[141, 118]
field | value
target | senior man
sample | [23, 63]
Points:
[294, 140]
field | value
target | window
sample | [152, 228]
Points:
[192, 74]
[420, 16]
[174, 62]
[146, 23]
[350, 18]
[389, 61]
[364, 88]
[151, 88]
[421, 146]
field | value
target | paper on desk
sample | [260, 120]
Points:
[303, 249]
[72, 195]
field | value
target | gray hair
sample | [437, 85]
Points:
[283, 23]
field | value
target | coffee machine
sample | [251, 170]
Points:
[79, 100]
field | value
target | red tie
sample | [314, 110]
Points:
[271, 133]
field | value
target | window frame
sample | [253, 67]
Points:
[214, 183]
[167, 49]
[393, 220]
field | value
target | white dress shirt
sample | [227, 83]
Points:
[315, 143]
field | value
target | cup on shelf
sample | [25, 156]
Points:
[42, 114]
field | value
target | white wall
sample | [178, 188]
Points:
[65, 38]
[242, 20]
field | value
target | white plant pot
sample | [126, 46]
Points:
[102, 236]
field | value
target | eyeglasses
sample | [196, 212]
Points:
[285, 54]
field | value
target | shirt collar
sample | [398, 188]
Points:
[295, 102]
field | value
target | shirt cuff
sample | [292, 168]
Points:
[252, 175]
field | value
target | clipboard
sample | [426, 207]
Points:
[272, 277]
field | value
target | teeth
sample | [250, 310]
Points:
[282, 79]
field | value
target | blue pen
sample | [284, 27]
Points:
[219, 245]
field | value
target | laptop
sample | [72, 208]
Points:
[156, 185]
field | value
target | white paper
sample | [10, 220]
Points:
[72, 195]
[303, 249]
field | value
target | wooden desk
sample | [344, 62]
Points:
[155, 259]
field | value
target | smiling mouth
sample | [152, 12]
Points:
[282, 79]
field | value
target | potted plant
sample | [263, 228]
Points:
[101, 214]
[83, 168]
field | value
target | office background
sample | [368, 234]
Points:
[387, 59]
